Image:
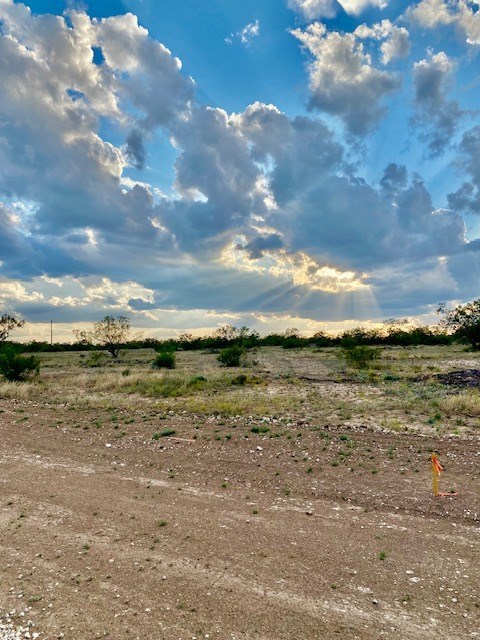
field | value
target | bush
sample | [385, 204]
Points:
[15, 367]
[231, 356]
[164, 360]
[240, 380]
[360, 356]
[95, 359]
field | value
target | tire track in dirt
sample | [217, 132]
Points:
[248, 593]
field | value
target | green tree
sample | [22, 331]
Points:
[111, 333]
[7, 324]
[464, 320]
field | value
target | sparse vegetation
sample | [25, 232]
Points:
[465, 403]
[163, 434]
[297, 432]
[360, 356]
[95, 359]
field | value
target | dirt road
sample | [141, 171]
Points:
[226, 530]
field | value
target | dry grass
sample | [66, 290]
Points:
[16, 390]
[313, 384]
[466, 403]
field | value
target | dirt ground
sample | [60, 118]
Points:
[141, 523]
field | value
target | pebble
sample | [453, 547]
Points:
[9, 631]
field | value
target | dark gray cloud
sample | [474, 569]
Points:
[135, 149]
[257, 247]
[467, 198]
[437, 118]
[395, 177]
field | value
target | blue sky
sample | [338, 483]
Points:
[307, 163]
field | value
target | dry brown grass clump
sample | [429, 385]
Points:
[466, 403]
[16, 390]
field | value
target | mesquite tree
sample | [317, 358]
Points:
[111, 333]
[7, 324]
[464, 320]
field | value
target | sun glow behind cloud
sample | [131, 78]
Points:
[298, 269]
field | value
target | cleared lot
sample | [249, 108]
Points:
[128, 514]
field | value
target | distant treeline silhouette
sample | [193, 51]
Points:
[391, 335]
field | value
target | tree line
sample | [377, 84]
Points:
[461, 324]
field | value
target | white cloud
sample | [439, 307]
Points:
[469, 21]
[395, 39]
[431, 13]
[355, 7]
[297, 269]
[245, 35]
[12, 292]
[461, 13]
[314, 9]
[430, 76]
[343, 80]
[53, 95]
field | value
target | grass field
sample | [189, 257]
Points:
[399, 392]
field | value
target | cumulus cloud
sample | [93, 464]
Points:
[343, 80]
[53, 94]
[153, 81]
[395, 42]
[314, 9]
[438, 117]
[245, 35]
[257, 247]
[300, 150]
[463, 14]
[218, 181]
[328, 226]
[431, 13]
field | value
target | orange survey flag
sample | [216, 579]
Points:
[436, 464]
[437, 470]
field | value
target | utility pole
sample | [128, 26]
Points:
[51, 331]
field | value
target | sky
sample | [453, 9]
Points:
[275, 164]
